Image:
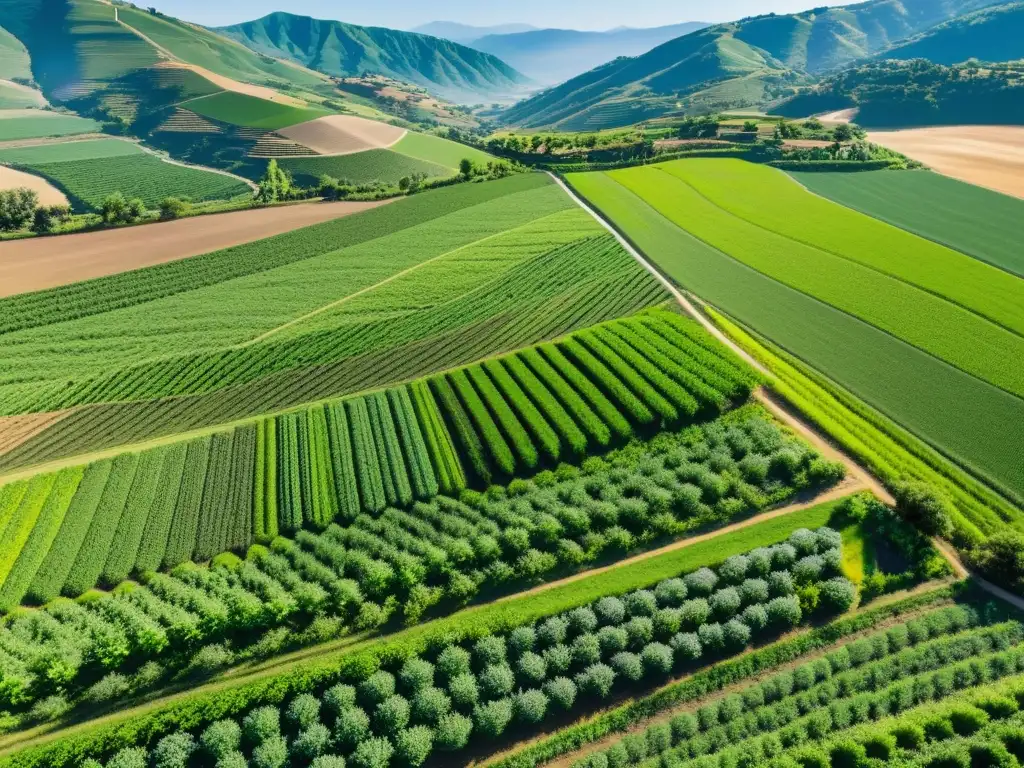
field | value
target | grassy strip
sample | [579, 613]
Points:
[889, 451]
[220, 700]
[713, 679]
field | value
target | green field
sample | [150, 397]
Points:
[974, 422]
[251, 112]
[832, 254]
[88, 171]
[434, 149]
[382, 165]
[973, 220]
[14, 97]
[44, 124]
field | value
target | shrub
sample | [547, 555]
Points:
[628, 665]
[712, 637]
[464, 691]
[327, 761]
[372, 753]
[848, 754]
[687, 647]
[174, 751]
[221, 738]
[130, 757]
[377, 687]
[561, 692]
[755, 617]
[880, 745]
[522, 639]
[351, 727]
[493, 718]
[531, 706]
[991, 755]
[311, 742]
[17, 207]
[532, 668]
[586, 650]
[737, 635]
[967, 720]
[837, 595]
[596, 680]
[695, 612]
[497, 680]
[725, 603]
[452, 732]
[997, 707]
[612, 639]
[392, 715]
[909, 736]
[925, 508]
[272, 753]
[640, 631]
[339, 697]
[657, 659]
[112, 686]
[413, 746]
[784, 612]
[262, 724]
[429, 705]
[641, 603]
[303, 711]
[453, 662]
[553, 631]
[734, 570]
[701, 583]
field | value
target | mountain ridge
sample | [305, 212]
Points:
[451, 70]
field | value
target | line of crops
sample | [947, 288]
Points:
[464, 693]
[510, 413]
[504, 418]
[487, 322]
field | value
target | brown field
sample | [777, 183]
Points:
[842, 116]
[46, 262]
[987, 155]
[343, 134]
[15, 430]
[259, 91]
[48, 194]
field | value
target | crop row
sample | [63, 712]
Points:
[436, 556]
[463, 693]
[308, 468]
[491, 320]
[512, 414]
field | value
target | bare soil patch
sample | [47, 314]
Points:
[842, 116]
[343, 134]
[990, 156]
[21, 88]
[46, 262]
[259, 91]
[15, 430]
[48, 194]
[807, 143]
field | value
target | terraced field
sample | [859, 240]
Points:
[381, 165]
[88, 171]
[17, 124]
[962, 415]
[251, 112]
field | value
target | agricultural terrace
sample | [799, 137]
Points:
[471, 271]
[17, 124]
[975, 221]
[251, 112]
[492, 675]
[508, 417]
[364, 167]
[916, 344]
[88, 171]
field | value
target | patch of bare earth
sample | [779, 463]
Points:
[259, 91]
[806, 143]
[15, 430]
[48, 194]
[343, 134]
[46, 262]
[990, 156]
[842, 116]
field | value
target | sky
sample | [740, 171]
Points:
[406, 14]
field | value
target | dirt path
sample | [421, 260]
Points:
[171, 161]
[986, 155]
[36, 264]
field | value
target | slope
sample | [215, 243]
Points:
[762, 56]
[555, 55]
[991, 34]
[335, 48]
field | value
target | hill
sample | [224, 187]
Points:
[991, 34]
[890, 94]
[747, 63]
[555, 55]
[342, 50]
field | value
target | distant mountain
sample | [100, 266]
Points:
[554, 55]
[746, 63]
[445, 68]
[466, 33]
[991, 34]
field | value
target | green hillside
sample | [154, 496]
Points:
[14, 60]
[992, 34]
[748, 63]
[917, 92]
[451, 70]
[204, 48]
[250, 112]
